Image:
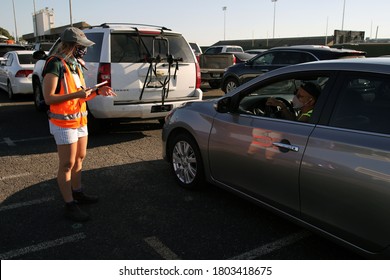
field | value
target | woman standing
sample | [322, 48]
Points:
[65, 91]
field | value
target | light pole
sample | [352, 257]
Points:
[35, 23]
[342, 24]
[70, 12]
[16, 29]
[273, 32]
[224, 8]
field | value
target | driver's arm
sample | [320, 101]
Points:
[286, 114]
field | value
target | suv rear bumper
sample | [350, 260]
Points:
[107, 108]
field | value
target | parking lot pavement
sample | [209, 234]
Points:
[142, 213]
[209, 93]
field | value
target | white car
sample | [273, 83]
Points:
[16, 69]
[223, 49]
[151, 69]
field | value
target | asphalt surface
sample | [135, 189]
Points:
[142, 213]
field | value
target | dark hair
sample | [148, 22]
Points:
[312, 88]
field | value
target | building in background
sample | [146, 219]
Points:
[43, 22]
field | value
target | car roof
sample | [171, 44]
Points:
[22, 52]
[372, 64]
[318, 48]
[131, 27]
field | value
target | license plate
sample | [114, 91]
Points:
[216, 75]
[161, 108]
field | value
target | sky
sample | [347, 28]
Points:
[206, 22]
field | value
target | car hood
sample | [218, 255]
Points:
[204, 106]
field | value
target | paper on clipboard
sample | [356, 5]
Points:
[95, 87]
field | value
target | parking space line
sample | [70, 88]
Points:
[161, 249]
[11, 142]
[273, 246]
[26, 203]
[15, 176]
[42, 246]
[8, 141]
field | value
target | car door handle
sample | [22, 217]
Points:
[286, 146]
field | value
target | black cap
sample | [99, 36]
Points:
[312, 89]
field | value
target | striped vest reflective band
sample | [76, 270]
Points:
[72, 113]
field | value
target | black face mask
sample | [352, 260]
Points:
[79, 52]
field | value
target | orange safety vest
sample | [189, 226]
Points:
[71, 113]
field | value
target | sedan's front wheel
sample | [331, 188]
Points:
[186, 162]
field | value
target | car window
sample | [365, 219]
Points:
[265, 59]
[214, 50]
[54, 49]
[132, 48]
[94, 51]
[287, 58]
[254, 101]
[45, 46]
[363, 104]
[233, 49]
[26, 59]
[10, 59]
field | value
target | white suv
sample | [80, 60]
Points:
[151, 69]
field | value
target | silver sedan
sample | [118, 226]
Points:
[330, 173]
[16, 69]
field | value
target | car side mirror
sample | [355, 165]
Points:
[38, 55]
[223, 105]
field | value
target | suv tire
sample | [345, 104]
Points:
[39, 102]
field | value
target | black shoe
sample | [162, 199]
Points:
[83, 198]
[74, 213]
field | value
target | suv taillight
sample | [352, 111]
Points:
[198, 76]
[104, 73]
[234, 59]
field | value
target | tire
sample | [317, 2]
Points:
[214, 84]
[162, 122]
[39, 102]
[11, 94]
[96, 126]
[186, 161]
[230, 84]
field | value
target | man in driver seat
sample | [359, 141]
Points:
[303, 101]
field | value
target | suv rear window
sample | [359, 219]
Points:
[132, 48]
[94, 51]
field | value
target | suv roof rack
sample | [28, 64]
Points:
[135, 25]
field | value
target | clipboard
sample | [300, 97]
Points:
[95, 87]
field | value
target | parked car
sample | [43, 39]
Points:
[196, 49]
[151, 68]
[223, 49]
[4, 48]
[15, 72]
[280, 57]
[331, 174]
[43, 46]
[213, 65]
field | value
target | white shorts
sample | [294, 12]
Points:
[64, 136]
